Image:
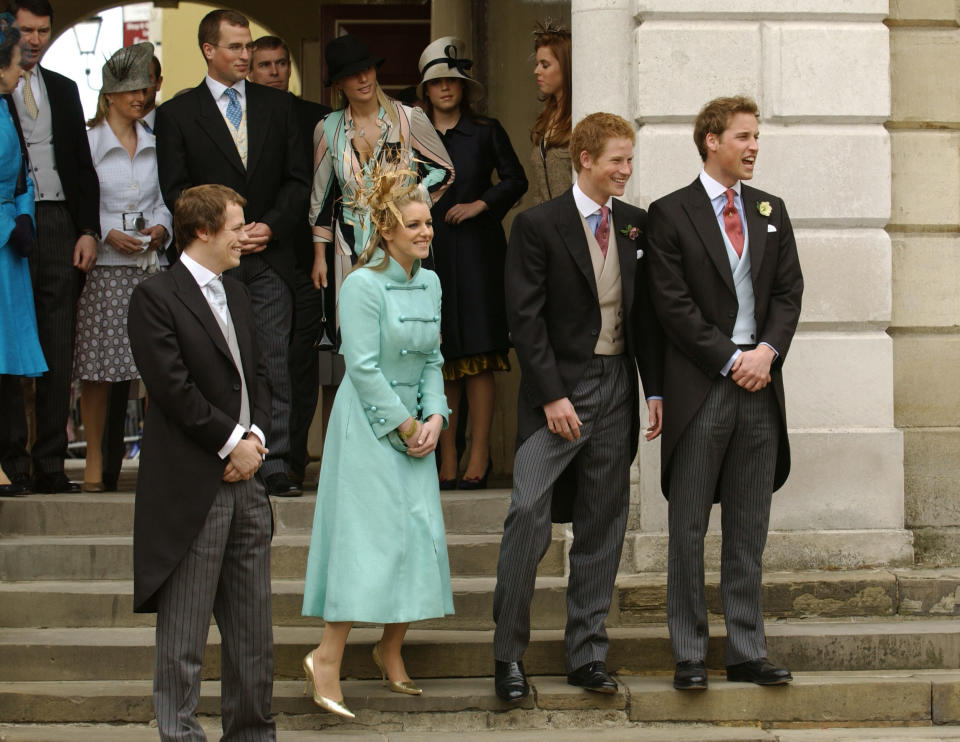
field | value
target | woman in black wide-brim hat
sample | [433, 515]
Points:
[369, 126]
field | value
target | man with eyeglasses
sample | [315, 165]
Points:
[247, 137]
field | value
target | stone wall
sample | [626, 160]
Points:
[820, 73]
[924, 131]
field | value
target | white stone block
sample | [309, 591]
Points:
[678, 69]
[846, 275]
[864, 10]
[925, 86]
[828, 176]
[839, 479]
[601, 68]
[826, 70]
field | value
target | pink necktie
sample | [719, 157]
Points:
[603, 230]
[732, 225]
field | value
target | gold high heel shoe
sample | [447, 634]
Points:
[327, 704]
[407, 686]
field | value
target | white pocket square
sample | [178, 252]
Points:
[639, 254]
[771, 228]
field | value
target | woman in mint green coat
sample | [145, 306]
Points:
[378, 551]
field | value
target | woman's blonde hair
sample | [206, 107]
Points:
[389, 104]
[100, 116]
[389, 191]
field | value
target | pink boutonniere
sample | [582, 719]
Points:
[630, 232]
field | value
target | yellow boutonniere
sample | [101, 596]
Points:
[764, 208]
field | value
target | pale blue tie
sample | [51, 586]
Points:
[234, 112]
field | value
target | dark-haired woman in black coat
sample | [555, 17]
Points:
[469, 249]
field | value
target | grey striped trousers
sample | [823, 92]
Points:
[729, 446]
[605, 404]
[226, 572]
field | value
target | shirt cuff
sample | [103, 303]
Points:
[776, 355]
[650, 399]
[259, 433]
[726, 369]
[232, 442]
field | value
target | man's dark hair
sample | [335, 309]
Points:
[209, 30]
[11, 37]
[155, 68]
[37, 7]
[269, 43]
[203, 207]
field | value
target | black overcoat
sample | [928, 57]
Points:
[469, 257]
[194, 391]
[694, 296]
[554, 314]
[195, 147]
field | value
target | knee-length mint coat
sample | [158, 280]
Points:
[378, 552]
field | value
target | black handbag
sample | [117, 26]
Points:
[327, 338]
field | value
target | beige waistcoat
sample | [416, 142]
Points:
[606, 271]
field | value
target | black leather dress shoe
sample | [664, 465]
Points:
[279, 485]
[13, 490]
[593, 676]
[690, 675]
[51, 484]
[760, 671]
[110, 480]
[509, 681]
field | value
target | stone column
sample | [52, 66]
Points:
[820, 74]
[451, 18]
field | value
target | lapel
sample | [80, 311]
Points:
[211, 122]
[235, 296]
[571, 232]
[756, 229]
[190, 294]
[700, 210]
[627, 251]
[258, 123]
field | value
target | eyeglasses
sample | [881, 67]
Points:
[236, 48]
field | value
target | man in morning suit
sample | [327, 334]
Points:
[727, 287]
[579, 313]
[67, 191]
[245, 136]
[270, 65]
[202, 521]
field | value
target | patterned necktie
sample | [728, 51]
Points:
[234, 112]
[29, 101]
[732, 225]
[603, 230]
[218, 297]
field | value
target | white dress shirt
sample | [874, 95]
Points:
[217, 90]
[36, 85]
[204, 276]
[127, 185]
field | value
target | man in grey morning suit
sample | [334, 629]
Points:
[202, 521]
[727, 287]
[579, 313]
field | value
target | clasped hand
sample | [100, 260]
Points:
[246, 458]
[751, 370]
[255, 237]
[424, 440]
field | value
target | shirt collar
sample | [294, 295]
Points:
[217, 88]
[201, 275]
[586, 205]
[103, 141]
[714, 188]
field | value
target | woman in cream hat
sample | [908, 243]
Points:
[136, 225]
[469, 249]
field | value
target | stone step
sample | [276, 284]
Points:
[29, 558]
[109, 603]
[463, 703]
[804, 646]
[638, 599]
[625, 733]
[111, 514]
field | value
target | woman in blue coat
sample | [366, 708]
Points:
[20, 352]
[378, 551]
